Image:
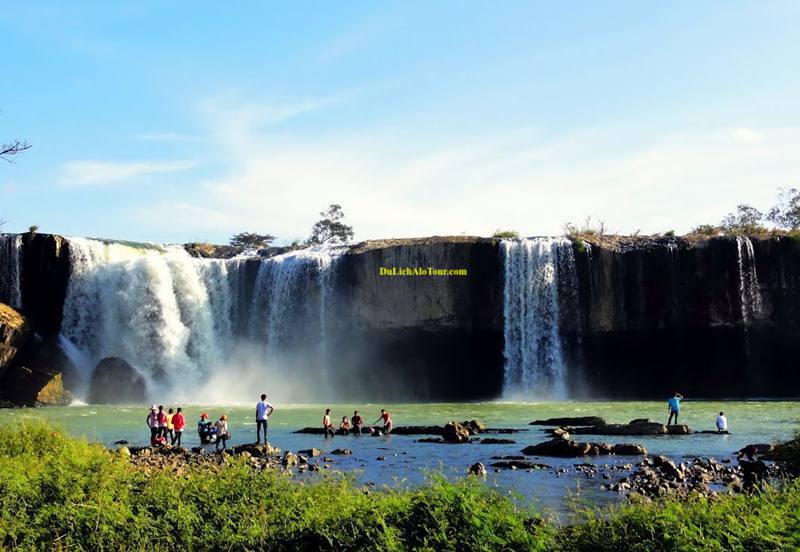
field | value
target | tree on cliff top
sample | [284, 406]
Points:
[251, 240]
[746, 219]
[786, 214]
[330, 228]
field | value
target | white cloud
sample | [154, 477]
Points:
[747, 136]
[392, 188]
[99, 173]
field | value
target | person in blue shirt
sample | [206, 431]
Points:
[674, 405]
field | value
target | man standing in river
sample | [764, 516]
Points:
[263, 411]
[674, 405]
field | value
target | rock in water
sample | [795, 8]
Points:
[558, 447]
[289, 459]
[455, 433]
[679, 430]
[630, 449]
[573, 421]
[477, 469]
[114, 381]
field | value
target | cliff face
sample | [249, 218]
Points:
[419, 335]
[712, 317]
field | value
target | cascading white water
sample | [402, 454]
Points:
[10, 262]
[163, 311]
[534, 361]
[178, 319]
[749, 291]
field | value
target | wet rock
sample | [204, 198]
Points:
[381, 458]
[640, 428]
[571, 421]
[755, 449]
[496, 441]
[114, 381]
[557, 447]
[519, 465]
[474, 426]
[625, 449]
[312, 452]
[477, 469]
[289, 459]
[603, 448]
[430, 440]
[121, 442]
[679, 430]
[455, 433]
[342, 452]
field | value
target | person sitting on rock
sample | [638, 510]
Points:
[357, 422]
[722, 423]
[327, 425]
[387, 421]
[674, 405]
[205, 429]
[344, 426]
[178, 423]
[223, 435]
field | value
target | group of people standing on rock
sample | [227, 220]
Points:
[165, 426]
[355, 425]
[674, 408]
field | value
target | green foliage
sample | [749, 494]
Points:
[510, 234]
[669, 233]
[587, 229]
[33, 228]
[330, 228]
[745, 220]
[62, 493]
[706, 230]
[786, 214]
[251, 240]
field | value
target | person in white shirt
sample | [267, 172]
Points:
[263, 411]
[722, 423]
[222, 432]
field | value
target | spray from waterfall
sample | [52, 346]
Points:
[10, 263]
[534, 360]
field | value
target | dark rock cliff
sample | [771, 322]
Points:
[650, 316]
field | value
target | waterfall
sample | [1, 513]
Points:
[166, 313]
[749, 293]
[534, 271]
[10, 261]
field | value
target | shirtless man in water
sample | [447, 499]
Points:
[387, 421]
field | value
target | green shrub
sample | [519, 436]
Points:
[508, 234]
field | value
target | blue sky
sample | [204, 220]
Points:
[181, 121]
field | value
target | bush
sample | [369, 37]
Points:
[505, 234]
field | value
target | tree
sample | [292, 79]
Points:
[330, 228]
[746, 219]
[250, 240]
[786, 214]
[588, 228]
[706, 230]
[507, 234]
[7, 151]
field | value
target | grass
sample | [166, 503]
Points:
[57, 492]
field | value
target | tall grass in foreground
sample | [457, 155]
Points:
[62, 493]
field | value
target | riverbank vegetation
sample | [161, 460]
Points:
[57, 492]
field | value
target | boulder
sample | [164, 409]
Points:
[679, 430]
[603, 448]
[114, 381]
[629, 449]
[474, 426]
[571, 421]
[14, 334]
[558, 447]
[641, 428]
[477, 469]
[289, 459]
[496, 441]
[519, 465]
[312, 452]
[455, 433]
[342, 452]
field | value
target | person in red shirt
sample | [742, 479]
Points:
[178, 423]
[387, 421]
[162, 423]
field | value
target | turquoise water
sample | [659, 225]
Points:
[406, 461]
